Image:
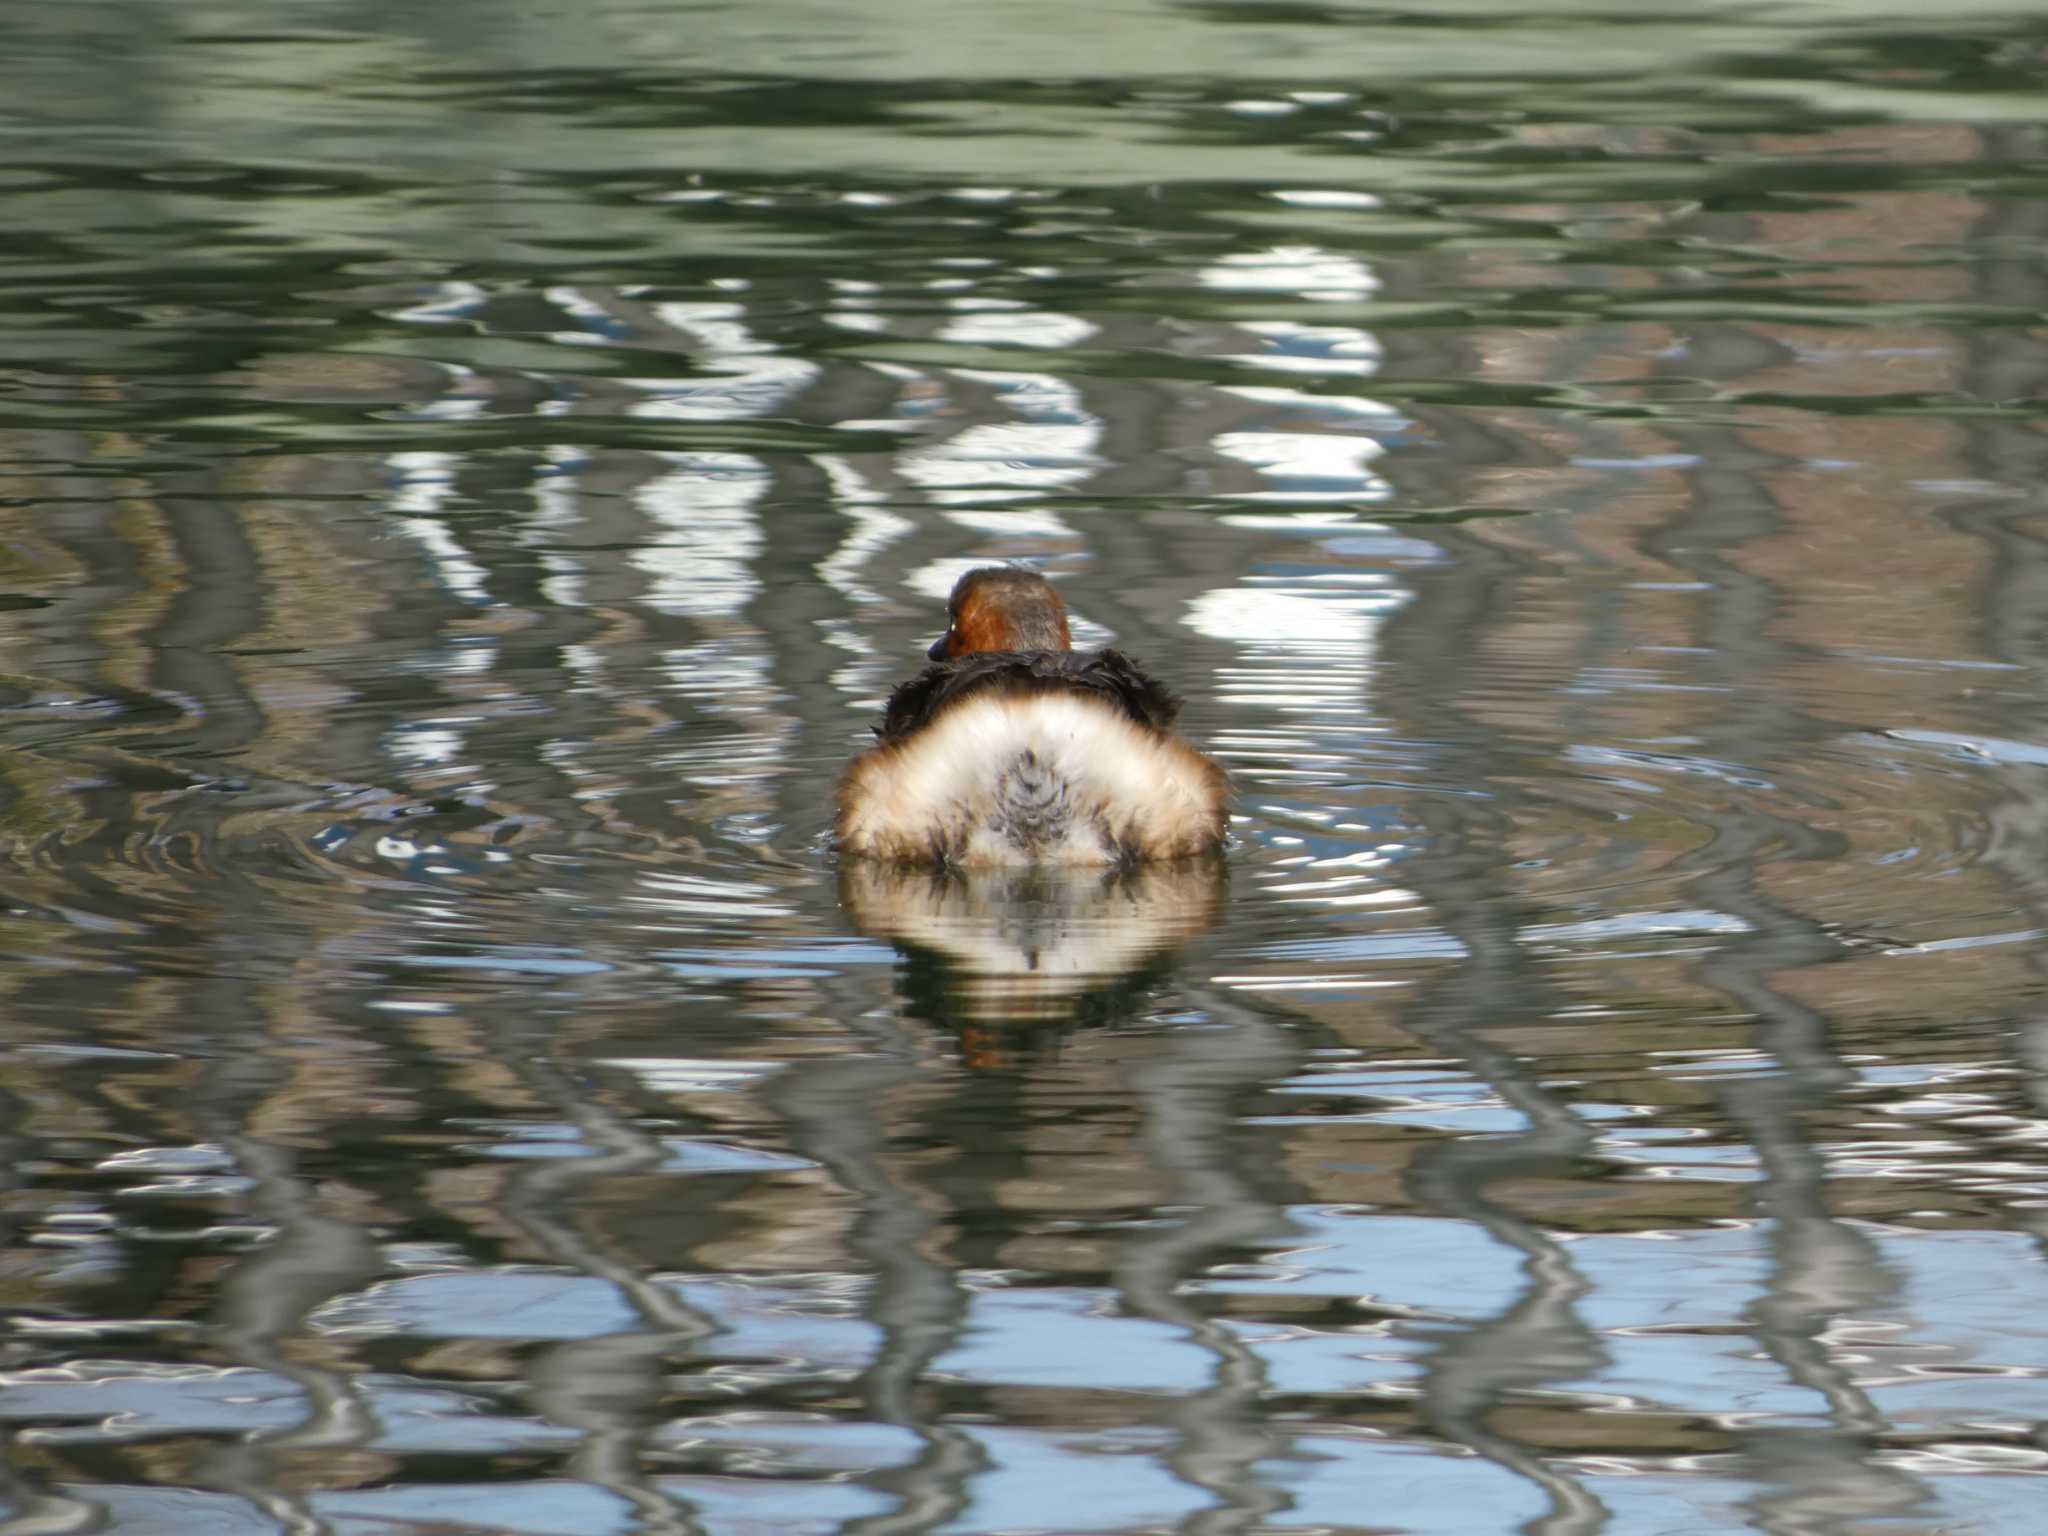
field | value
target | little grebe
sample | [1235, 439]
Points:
[1012, 748]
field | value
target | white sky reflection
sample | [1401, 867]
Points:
[711, 536]
[1307, 270]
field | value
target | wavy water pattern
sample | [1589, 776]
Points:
[468, 480]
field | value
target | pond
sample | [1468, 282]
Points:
[469, 476]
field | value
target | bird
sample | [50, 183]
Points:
[1014, 749]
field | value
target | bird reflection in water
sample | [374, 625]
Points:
[1010, 957]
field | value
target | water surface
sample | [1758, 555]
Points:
[468, 479]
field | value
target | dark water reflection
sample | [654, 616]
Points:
[469, 477]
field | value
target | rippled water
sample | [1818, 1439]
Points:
[469, 474]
